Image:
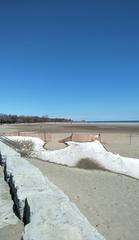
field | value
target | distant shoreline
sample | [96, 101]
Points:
[122, 121]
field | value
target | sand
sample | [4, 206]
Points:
[11, 232]
[121, 138]
[109, 201]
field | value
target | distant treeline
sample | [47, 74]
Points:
[5, 118]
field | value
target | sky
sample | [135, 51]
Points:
[76, 59]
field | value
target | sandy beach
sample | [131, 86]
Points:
[109, 201]
[120, 138]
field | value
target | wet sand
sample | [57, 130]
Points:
[72, 127]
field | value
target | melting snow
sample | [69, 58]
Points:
[76, 151]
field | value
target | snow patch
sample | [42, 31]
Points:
[76, 151]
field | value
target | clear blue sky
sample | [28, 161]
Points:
[77, 58]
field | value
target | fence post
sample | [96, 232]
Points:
[130, 138]
[44, 136]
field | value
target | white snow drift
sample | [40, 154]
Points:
[76, 152]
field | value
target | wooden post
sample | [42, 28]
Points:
[130, 138]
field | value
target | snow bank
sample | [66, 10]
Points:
[76, 152]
